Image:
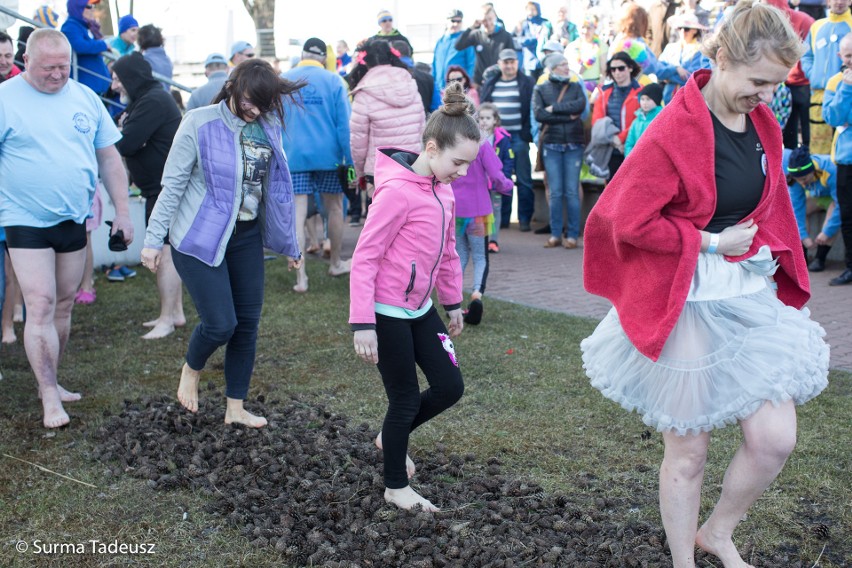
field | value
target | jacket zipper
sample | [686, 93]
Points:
[440, 250]
[411, 280]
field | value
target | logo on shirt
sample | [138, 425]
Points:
[81, 123]
[758, 147]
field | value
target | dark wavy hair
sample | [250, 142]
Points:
[375, 52]
[458, 69]
[623, 56]
[255, 80]
[150, 36]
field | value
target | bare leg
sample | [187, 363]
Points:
[409, 463]
[769, 438]
[188, 388]
[333, 203]
[48, 282]
[171, 298]
[681, 474]
[301, 216]
[235, 413]
[12, 294]
[88, 281]
[313, 234]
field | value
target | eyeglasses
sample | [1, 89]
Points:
[618, 68]
[89, 7]
[383, 20]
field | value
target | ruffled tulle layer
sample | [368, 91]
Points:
[724, 359]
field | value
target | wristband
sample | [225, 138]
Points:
[714, 243]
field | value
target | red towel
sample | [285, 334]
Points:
[641, 240]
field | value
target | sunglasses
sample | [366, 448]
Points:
[249, 55]
[383, 20]
[456, 21]
[618, 68]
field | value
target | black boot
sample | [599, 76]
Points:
[818, 263]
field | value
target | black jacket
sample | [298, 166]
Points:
[487, 47]
[562, 129]
[151, 120]
[525, 88]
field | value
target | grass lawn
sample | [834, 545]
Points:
[527, 402]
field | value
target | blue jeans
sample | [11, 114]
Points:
[228, 299]
[471, 247]
[523, 179]
[562, 163]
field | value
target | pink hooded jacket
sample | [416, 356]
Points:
[408, 245]
[386, 111]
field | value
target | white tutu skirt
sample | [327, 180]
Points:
[734, 347]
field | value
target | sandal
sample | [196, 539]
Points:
[552, 242]
[569, 243]
[85, 297]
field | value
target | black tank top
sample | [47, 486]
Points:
[740, 174]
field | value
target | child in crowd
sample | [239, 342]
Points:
[501, 141]
[406, 249]
[475, 218]
[650, 99]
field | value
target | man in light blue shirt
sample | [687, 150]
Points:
[56, 139]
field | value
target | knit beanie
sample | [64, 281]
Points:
[45, 15]
[127, 22]
[653, 91]
[800, 163]
[383, 14]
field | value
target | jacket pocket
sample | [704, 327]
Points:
[411, 280]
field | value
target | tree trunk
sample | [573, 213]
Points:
[263, 14]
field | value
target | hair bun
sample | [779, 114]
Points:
[455, 102]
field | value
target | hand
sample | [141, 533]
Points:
[847, 76]
[370, 189]
[682, 73]
[367, 345]
[121, 222]
[822, 239]
[456, 322]
[477, 24]
[293, 264]
[151, 258]
[808, 243]
[617, 143]
[736, 240]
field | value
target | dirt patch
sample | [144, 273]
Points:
[310, 486]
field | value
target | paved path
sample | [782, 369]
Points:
[526, 273]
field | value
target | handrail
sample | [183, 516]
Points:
[106, 54]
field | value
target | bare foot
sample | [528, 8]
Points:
[721, 547]
[301, 283]
[243, 416]
[409, 463]
[9, 335]
[178, 321]
[407, 498]
[65, 395]
[54, 415]
[188, 388]
[341, 268]
[161, 330]
[18, 313]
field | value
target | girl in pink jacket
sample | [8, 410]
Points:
[386, 110]
[405, 251]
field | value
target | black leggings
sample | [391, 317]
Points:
[402, 343]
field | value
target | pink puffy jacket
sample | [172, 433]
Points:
[386, 111]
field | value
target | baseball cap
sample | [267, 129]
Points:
[508, 54]
[215, 58]
[239, 46]
[455, 15]
[315, 45]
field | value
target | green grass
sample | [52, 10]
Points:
[527, 402]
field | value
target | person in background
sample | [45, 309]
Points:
[487, 39]
[650, 105]
[226, 195]
[151, 43]
[84, 33]
[530, 34]
[216, 71]
[837, 112]
[564, 30]
[587, 55]
[343, 58]
[128, 30]
[685, 53]
[7, 57]
[489, 122]
[386, 30]
[456, 74]
[446, 54]
[240, 51]
[425, 82]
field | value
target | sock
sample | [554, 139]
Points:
[822, 252]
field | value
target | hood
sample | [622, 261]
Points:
[75, 9]
[394, 165]
[537, 19]
[394, 86]
[135, 74]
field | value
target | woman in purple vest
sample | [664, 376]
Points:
[226, 195]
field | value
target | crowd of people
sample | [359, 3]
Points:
[430, 160]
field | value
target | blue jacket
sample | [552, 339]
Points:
[837, 112]
[202, 184]
[160, 63]
[820, 62]
[446, 54]
[316, 137]
[825, 185]
[92, 70]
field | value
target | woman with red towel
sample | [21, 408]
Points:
[695, 243]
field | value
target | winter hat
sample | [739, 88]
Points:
[382, 15]
[653, 91]
[45, 15]
[800, 163]
[552, 45]
[127, 22]
[316, 46]
[554, 60]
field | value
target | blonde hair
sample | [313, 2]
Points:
[46, 36]
[754, 30]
